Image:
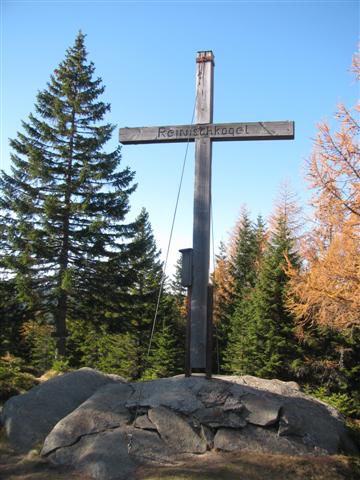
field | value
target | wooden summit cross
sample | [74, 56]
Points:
[204, 132]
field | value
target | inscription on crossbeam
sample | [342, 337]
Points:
[212, 131]
[216, 132]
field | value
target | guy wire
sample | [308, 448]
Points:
[164, 268]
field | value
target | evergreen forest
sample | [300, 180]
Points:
[80, 285]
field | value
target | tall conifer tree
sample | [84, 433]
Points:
[65, 200]
[223, 305]
[247, 259]
[140, 307]
[275, 345]
[243, 259]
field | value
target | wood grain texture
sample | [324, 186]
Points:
[204, 87]
[218, 132]
[201, 253]
[202, 205]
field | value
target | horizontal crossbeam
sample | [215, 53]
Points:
[218, 132]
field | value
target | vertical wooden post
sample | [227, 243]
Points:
[210, 305]
[202, 202]
[188, 334]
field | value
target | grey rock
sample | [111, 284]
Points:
[213, 395]
[274, 386]
[178, 418]
[144, 422]
[233, 404]
[318, 425]
[174, 393]
[28, 418]
[176, 432]
[291, 424]
[263, 411]
[114, 454]
[258, 440]
[147, 447]
[216, 417]
[103, 456]
[102, 411]
[208, 435]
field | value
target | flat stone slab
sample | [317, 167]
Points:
[28, 418]
[216, 417]
[103, 411]
[258, 440]
[262, 410]
[144, 422]
[273, 386]
[103, 456]
[166, 392]
[176, 432]
[115, 454]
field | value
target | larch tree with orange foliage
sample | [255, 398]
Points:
[326, 292]
[223, 304]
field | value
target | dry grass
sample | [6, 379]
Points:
[48, 375]
[14, 466]
[212, 466]
[247, 466]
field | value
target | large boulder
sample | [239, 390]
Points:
[108, 434]
[30, 417]
[164, 421]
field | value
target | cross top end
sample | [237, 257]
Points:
[205, 56]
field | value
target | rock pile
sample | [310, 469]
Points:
[106, 428]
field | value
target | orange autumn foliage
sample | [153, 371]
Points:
[327, 290]
[223, 282]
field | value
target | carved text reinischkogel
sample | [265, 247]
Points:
[203, 131]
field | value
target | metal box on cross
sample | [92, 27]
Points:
[186, 267]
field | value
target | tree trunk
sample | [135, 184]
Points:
[62, 307]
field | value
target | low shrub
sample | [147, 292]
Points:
[13, 380]
[348, 405]
[61, 365]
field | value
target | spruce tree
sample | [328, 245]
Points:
[179, 292]
[243, 261]
[238, 358]
[223, 305]
[275, 346]
[167, 352]
[133, 317]
[247, 257]
[13, 314]
[177, 299]
[139, 309]
[162, 357]
[65, 201]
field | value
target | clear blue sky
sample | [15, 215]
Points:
[274, 60]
